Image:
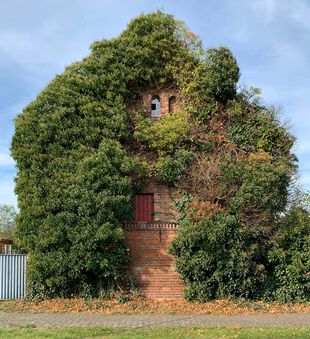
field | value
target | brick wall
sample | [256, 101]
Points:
[6, 246]
[164, 209]
[151, 265]
[165, 95]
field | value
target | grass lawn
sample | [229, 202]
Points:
[30, 332]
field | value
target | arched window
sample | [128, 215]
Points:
[155, 113]
[172, 103]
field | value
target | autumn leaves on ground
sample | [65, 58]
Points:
[144, 306]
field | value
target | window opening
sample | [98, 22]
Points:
[155, 113]
[172, 104]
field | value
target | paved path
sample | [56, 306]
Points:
[151, 320]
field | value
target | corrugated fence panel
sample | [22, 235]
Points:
[12, 276]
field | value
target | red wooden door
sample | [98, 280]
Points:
[144, 208]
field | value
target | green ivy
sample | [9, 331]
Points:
[82, 152]
[165, 135]
[172, 168]
[219, 258]
[75, 179]
[290, 258]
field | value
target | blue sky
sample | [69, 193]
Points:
[270, 39]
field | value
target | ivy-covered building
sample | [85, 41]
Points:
[150, 141]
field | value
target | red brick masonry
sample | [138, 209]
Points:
[164, 94]
[151, 265]
[6, 246]
[164, 209]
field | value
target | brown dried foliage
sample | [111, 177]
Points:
[145, 306]
[204, 179]
[202, 209]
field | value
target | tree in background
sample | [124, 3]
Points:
[7, 221]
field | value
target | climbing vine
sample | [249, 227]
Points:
[82, 151]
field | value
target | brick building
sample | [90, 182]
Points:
[6, 246]
[154, 226]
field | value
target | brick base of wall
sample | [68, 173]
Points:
[151, 265]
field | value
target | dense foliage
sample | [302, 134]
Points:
[82, 152]
[76, 177]
[290, 258]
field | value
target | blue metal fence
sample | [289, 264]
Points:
[12, 276]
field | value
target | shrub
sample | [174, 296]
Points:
[290, 258]
[218, 258]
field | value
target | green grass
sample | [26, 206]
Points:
[31, 332]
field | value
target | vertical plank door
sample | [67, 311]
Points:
[144, 208]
